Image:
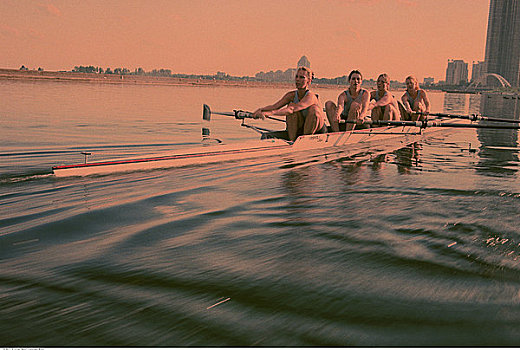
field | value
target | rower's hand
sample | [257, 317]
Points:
[258, 114]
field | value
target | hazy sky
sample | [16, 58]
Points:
[243, 37]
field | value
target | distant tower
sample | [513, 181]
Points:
[503, 40]
[457, 72]
[304, 62]
[478, 70]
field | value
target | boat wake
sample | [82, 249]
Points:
[16, 178]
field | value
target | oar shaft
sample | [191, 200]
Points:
[238, 114]
[230, 114]
[479, 126]
[273, 118]
[475, 117]
[427, 124]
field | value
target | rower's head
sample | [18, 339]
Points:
[303, 77]
[383, 82]
[355, 78]
[412, 83]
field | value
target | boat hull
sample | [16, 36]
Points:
[259, 148]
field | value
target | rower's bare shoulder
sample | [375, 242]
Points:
[289, 96]
[313, 95]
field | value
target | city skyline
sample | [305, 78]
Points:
[399, 37]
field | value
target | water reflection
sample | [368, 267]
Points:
[461, 103]
[498, 161]
[502, 106]
[405, 159]
[408, 158]
[492, 161]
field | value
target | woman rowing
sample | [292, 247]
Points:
[382, 104]
[415, 101]
[352, 103]
[301, 108]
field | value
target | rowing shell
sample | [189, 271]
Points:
[269, 145]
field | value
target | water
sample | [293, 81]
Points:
[417, 247]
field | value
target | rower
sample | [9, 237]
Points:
[382, 104]
[352, 104]
[415, 102]
[300, 107]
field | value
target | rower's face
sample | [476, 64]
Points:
[302, 79]
[382, 84]
[410, 84]
[356, 80]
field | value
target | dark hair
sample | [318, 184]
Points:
[308, 70]
[355, 71]
[385, 76]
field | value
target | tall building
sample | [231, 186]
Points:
[456, 72]
[304, 62]
[478, 69]
[503, 40]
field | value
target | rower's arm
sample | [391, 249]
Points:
[364, 105]
[426, 101]
[267, 110]
[341, 106]
[383, 101]
[307, 101]
[406, 104]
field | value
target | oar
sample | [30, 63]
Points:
[426, 124]
[206, 113]
[474, 117]
[238, 114]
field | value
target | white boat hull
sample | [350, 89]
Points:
[259, 148]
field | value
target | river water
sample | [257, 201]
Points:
[416, 247]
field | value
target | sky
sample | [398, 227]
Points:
[243, 37]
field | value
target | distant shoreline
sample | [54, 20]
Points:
[28, 75]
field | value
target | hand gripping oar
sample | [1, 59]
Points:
[473, 117]
[427, 124]
[238, 114]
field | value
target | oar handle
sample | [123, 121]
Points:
[240, 114]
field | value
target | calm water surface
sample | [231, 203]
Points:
[415, 247]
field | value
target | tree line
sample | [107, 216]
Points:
[278, 76]
[122, 71]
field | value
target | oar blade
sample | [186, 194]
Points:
[206, 112]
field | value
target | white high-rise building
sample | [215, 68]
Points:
[304, 62]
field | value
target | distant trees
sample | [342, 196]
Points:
[122, 71]
[23, 68]
[161, 73]
[272, 76]
[88, 69]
